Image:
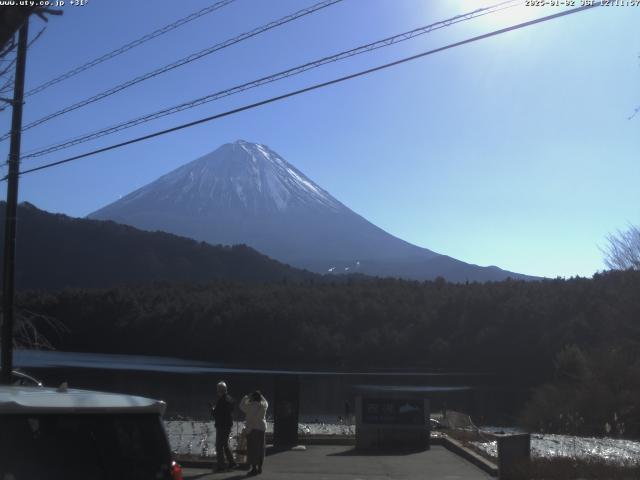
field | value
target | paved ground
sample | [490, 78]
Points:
[343, 463]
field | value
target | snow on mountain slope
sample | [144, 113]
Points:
[239, 175]
[246, 193]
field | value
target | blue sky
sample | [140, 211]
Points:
[515, 151]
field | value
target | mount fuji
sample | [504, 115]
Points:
[245, 193]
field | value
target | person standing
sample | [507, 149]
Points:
[255, 407]
[222, 415]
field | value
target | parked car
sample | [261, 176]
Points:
[56, 434]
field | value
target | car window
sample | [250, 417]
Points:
[88, 447]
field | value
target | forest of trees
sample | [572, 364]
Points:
[580, 337]
[76, 252]
[577, 340]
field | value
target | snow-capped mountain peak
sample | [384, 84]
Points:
[240, 174]
[245, 192]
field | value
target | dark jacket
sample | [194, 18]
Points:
[223, 411]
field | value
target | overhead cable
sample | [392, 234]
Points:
[269, 79]
[178, 63]
[310, 88]
[119, 51]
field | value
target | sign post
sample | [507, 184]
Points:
[391, 420]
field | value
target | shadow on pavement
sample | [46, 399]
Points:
[271, 450]
[222, 475]
[352, 452]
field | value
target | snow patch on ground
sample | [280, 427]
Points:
[190, 437]
[550, 446]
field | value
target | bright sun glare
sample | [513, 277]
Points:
[502, 13]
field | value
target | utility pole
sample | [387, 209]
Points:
[8, 271]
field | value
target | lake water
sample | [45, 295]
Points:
[188, 385]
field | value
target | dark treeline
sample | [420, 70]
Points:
[592, 393]
[380, 323]
[578, 338]
[524, 329]
[56, 251]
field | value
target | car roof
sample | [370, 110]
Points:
[19, 375]
[31, 399]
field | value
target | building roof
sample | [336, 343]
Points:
[409, 389]
[16, 400]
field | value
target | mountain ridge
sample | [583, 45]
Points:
[246, 193]
[56, 251]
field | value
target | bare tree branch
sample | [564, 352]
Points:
[637, 109]
[27, 334]
[6, 88]
[9, 67]
[623, 249]
[8, 47]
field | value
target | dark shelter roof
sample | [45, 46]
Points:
[407, 389]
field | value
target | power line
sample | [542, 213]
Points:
[272, 78]
[118, 51]
[179, 63]
[310, 88]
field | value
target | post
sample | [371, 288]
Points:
[514, 456]
[286, 410]
[8, 271]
